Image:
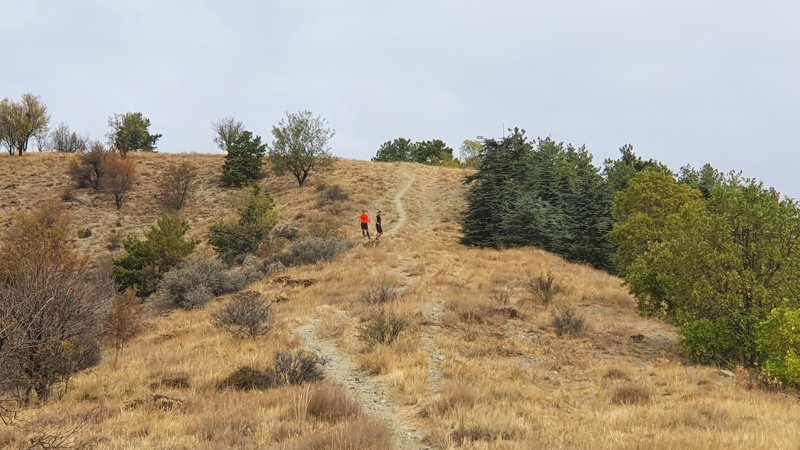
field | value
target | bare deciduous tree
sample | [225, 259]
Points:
[50, 307]
[176, 184]
[87, 168]
[226, 131]
[123, 322]
[63, 140]
[119, 173]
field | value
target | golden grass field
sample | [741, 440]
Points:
[479, 367]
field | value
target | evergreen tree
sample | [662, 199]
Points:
[244, 161]
[619, 172]
[495, 189]
[400, 149]
[148, 259]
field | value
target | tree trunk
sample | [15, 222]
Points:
[42, 392]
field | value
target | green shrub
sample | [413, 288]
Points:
[381, 328]
[313, 250]
[707, 341]
[244, 161]
[234, 240]
[194, 283]
[779, 343]
[148, 259]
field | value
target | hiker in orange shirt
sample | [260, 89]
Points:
[365, 224]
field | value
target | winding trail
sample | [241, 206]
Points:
[402, 217]
[343, 370]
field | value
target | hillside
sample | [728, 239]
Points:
[480, 366]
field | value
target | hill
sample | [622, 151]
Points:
[480, 365]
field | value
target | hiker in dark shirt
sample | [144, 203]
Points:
[378, 225]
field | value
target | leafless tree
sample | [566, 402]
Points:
[87, 168]
[176, 184]
[63, 140]
[119, 173]
[226, 131]
[50, 307]
[123, 321]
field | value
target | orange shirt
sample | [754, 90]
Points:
[365, 218]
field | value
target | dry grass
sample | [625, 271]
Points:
[330, 402]
[467, 372]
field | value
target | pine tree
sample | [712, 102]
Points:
[494, 191]
[243, 163]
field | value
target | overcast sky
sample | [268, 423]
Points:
[683, 81]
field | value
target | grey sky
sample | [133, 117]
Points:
[684, 81]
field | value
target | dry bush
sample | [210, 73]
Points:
[119, 173]
[287, 232]
[192, 284]
[247, 378]
[312, 251]
[323, 227]
[544, 287]
[330, 195]
[123, 322]
[381, 328]
[86, 170]
[568, 323]
[289, 368]
[330, 402]
[176, 184]
[298, 367]
[380, 294]
[363, 434]
[471, 310]
[501, 296]
[631, 394]
[51, 304]
[247, 315]
[63, 436]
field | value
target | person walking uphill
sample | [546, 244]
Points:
[378, 225]
[365, 224]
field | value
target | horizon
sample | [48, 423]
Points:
[681, 82]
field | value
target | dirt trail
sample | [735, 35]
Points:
[402, 217]
[343, 370]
